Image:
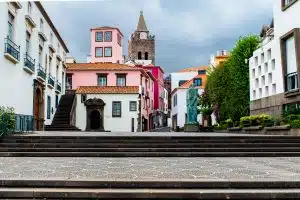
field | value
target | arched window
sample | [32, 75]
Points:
[146, 55]
[140, 55]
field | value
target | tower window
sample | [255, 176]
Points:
[146, 55]
[139, 55]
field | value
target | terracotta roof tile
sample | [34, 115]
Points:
[98, 66]
[108, 90]
[190, 82]
[193, 69]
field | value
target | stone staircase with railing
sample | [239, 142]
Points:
[65, 114]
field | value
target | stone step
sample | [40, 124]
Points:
[161, 150]
[154, 184]
[94, 144]
[83, 193]
[149, 154]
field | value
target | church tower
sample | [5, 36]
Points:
[141, 46]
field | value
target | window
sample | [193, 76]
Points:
[181, 82]
[257, 83]
[286, 3]
[198, 82]
[48, 107]
[119, 40]
[10, 26]
[108, 36]
[102, 80]
[83, 98]
[267, 90]
[27, 42]
[259, 70]
[253, 73]
[262, 58]
[139, 55]
[263, 80]
[121, 79]
[58, 48]
[201, 71]
[273, 64]
[107, 52]
[132, 106]
[266, 67]
[99, 36]
[29, 8]
[256, 61]
[175, 100]
[40, 55]
[146, 55]
[269, 54]
[270, 78]
[254, 94]
[260, 92]
[290, 61]
[116, 109]
[99, 52]
[274, 89]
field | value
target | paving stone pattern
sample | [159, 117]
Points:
[235, 169]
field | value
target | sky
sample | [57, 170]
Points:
[187, 32]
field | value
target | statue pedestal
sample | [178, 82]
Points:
[191, 128]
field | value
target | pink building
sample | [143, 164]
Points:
[160, 96]
[113, 83]
[106, 45]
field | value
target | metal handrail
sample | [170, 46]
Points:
[28, 58]
[12, 44]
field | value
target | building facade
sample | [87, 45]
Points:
[112, 97]
[160, 96]
[179, 103]
[141, 46]
[219, 58]
[106, 45]
[32, 63]
[275, 66]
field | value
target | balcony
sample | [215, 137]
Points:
[29, 64]
[58, 87]
[11, 51]
[51, 47]
[42, 35]
[291, 83]
[50, 81]
[30, 20]
[41, 75]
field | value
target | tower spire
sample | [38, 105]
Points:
[141, 27]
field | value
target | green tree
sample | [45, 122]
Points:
[227, 85]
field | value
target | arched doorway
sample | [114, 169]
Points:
[95, 119]
[95, 113]
[139, 55]
[37, 108]
[146, 55]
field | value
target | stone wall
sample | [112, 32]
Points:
[135, 45]
[272, 105]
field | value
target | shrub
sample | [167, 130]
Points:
[291, 118]
[245, 121]
[276, 121]
[295, 124]
[7, 120]
[221, 126]
[229, 122]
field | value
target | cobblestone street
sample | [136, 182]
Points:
[150, 168]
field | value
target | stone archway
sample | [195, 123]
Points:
[38, 106]
[95, 113]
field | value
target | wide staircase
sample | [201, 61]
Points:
[149, 146]
[62, 117]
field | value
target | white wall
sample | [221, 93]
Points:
[178, 76]
[16, 85]
[284, 21]
[110, 123]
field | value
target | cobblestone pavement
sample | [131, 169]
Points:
[62, 133]
[267, 169]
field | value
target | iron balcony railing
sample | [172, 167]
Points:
[51, 80]
[11, 48]
[29, 62]
[291, 81]
[41, 72]
[58, 86]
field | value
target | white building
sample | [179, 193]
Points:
[32, 71]
[179, 104]
[119, 109]
[274, 67]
